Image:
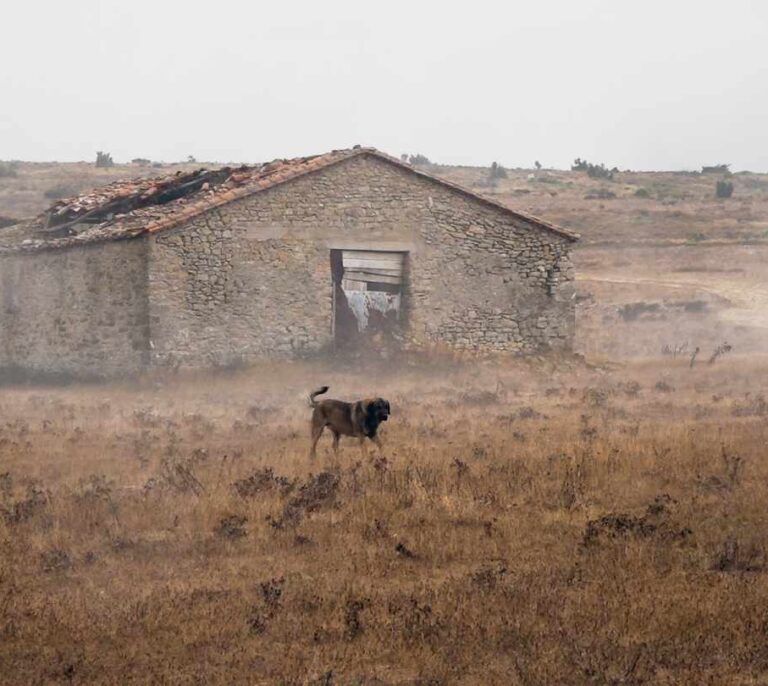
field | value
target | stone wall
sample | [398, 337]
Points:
[253, 278]
[76, 311]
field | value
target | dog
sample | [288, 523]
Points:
[360, 419]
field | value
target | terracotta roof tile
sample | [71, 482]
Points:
[125, 209]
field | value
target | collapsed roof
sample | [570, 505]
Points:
[129, 208]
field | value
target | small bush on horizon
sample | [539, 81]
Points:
[717, 169]
[8, 169]
[497, 172]
[594, 171]
[104, 159]
[419, 160]
[724, 189]
[600, 194]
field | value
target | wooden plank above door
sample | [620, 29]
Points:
[371, 276]
[383, 267]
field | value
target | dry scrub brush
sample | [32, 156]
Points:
[524, 526]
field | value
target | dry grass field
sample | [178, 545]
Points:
[31, 187]
[534, 522]
[651, 208]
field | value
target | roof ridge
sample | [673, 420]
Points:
[474, 194]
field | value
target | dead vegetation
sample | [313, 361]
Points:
[602, 531]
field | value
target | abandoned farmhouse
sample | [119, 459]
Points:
[293, 257]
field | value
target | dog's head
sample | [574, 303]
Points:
[376, 411]
[379, 408]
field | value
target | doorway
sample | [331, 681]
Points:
[367, 295]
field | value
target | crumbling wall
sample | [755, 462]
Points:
[75, 311]
[253, 278]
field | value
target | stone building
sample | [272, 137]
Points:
[289, 258]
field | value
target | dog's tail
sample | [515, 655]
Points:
[319, 391]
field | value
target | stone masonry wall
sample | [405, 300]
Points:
[253, 278]
[76, 311]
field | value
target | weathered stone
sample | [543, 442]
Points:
[254, 279]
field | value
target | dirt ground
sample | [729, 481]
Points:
[636, 301]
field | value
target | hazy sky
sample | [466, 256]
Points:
[657, 84]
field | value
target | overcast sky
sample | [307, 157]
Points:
[657, 84]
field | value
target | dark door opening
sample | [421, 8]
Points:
[367, 295]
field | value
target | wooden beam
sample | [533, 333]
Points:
[370, 277]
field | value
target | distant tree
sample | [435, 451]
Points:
[143, 161]
[537, 164]
[594, 171]
[104, 159]
[497, 172]
[419, 160]
[191, 159]
[724, 189]
[8, 169]
[404, 157]
[717, 169]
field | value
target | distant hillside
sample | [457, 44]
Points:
[633, 206]
[31, 187]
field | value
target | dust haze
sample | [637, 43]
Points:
[590, 511]
[653, 86]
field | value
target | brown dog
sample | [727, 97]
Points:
[360, 419]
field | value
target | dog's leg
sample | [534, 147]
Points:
[317, 431]
[377, 441]
[362, 446]
[336, 437]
